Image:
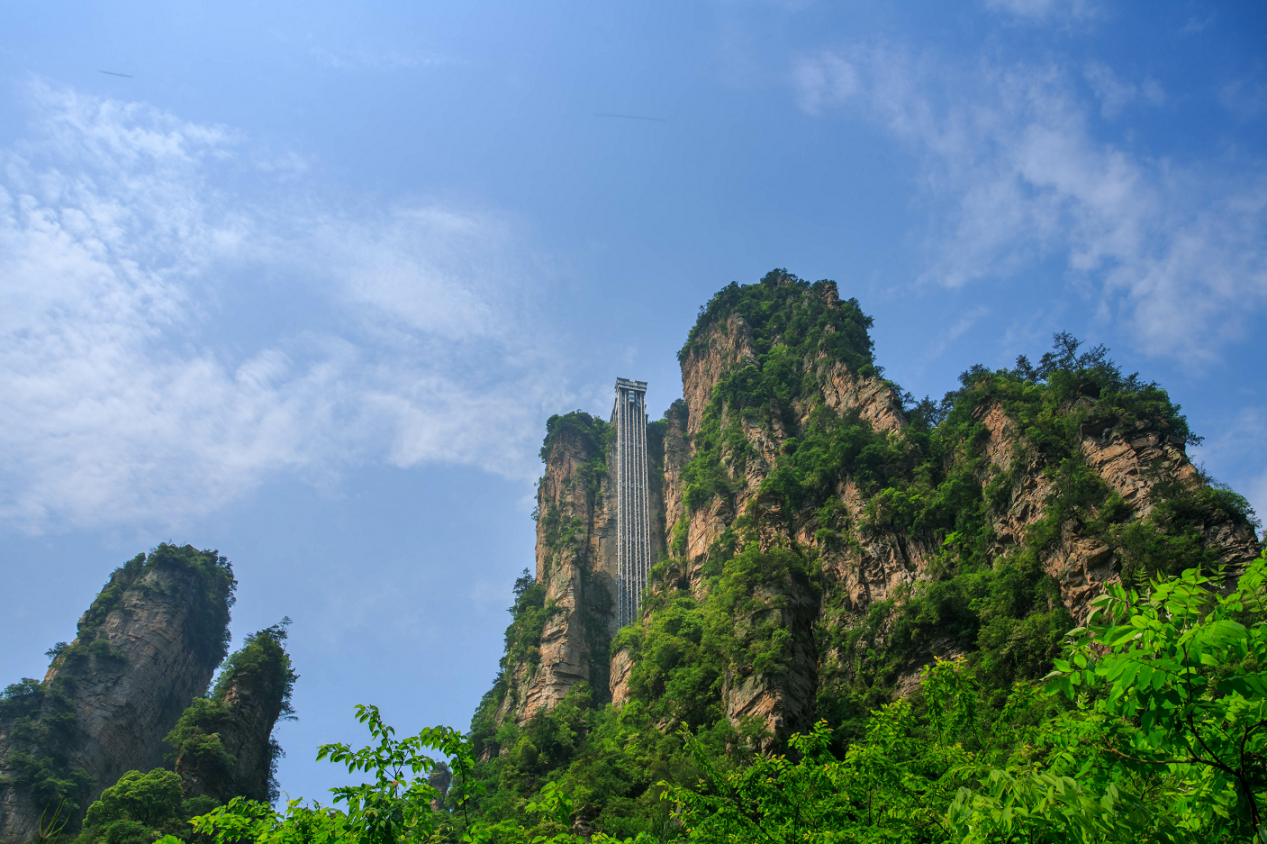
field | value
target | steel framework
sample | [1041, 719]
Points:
[633, 526]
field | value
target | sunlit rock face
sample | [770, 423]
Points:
[576, 561]
[860, 550]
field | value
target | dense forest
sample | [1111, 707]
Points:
[1014, 613]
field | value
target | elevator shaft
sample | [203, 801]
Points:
[633, 510]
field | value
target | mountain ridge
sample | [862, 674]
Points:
[1065, 476]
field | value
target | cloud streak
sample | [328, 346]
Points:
[1041, 11]
[1014, 173]
[148, 369]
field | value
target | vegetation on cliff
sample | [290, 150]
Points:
[39, 723]
[976, 497]
[251, 694]
[151, 639]
[928, 484]
[1013, 613]
[222, 748]
[142, 808]
[42, 722]
[207, 634]
[1148, 729]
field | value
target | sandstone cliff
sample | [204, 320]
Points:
[564, 642]
[145, 648]
[826, 536]
[223, 745]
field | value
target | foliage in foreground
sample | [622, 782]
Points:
[1151, 728]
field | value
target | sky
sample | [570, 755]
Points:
[302, 282]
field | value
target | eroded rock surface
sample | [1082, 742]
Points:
[145, 649]
[867, 555]
[253, 692]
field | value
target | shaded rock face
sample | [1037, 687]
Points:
[126, 705]
[440, 779]
[677, 453]
[223, 745]
[145, 649]
[248, 739]
[783, 701]
[876, 569]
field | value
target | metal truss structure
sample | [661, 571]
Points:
[633, 511]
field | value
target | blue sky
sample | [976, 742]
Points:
[305, 284]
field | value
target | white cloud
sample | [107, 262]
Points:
[824, 81]
[1043, 10]
[1013, 174]
[1245, 96]
[132, 391]
[1115, 93]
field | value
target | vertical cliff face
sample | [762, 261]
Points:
[223, 744]
[1063, 478]
[144, 649]
[576, 562]
[752, 422]
[1148, 489]
[825, 538]
[563, 643]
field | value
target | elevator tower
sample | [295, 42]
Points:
[633, 510]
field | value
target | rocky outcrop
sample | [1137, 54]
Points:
[872, 398]
[873, 569]
[145, 649]
[871, 538]
[224, 745]
[1136, 461]
[1081, 564]
[781, 702]
[621, 667]
[576, 559]
[724, 347]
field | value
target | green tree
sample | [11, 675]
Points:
[140, 809]
[1166, 739]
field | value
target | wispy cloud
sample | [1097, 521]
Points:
[380, 60]
[1196, 24]
[955, 330]
[1044, 10]
[145, 357]
[1013, 175]
[1115, 93]
[1246, 96]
